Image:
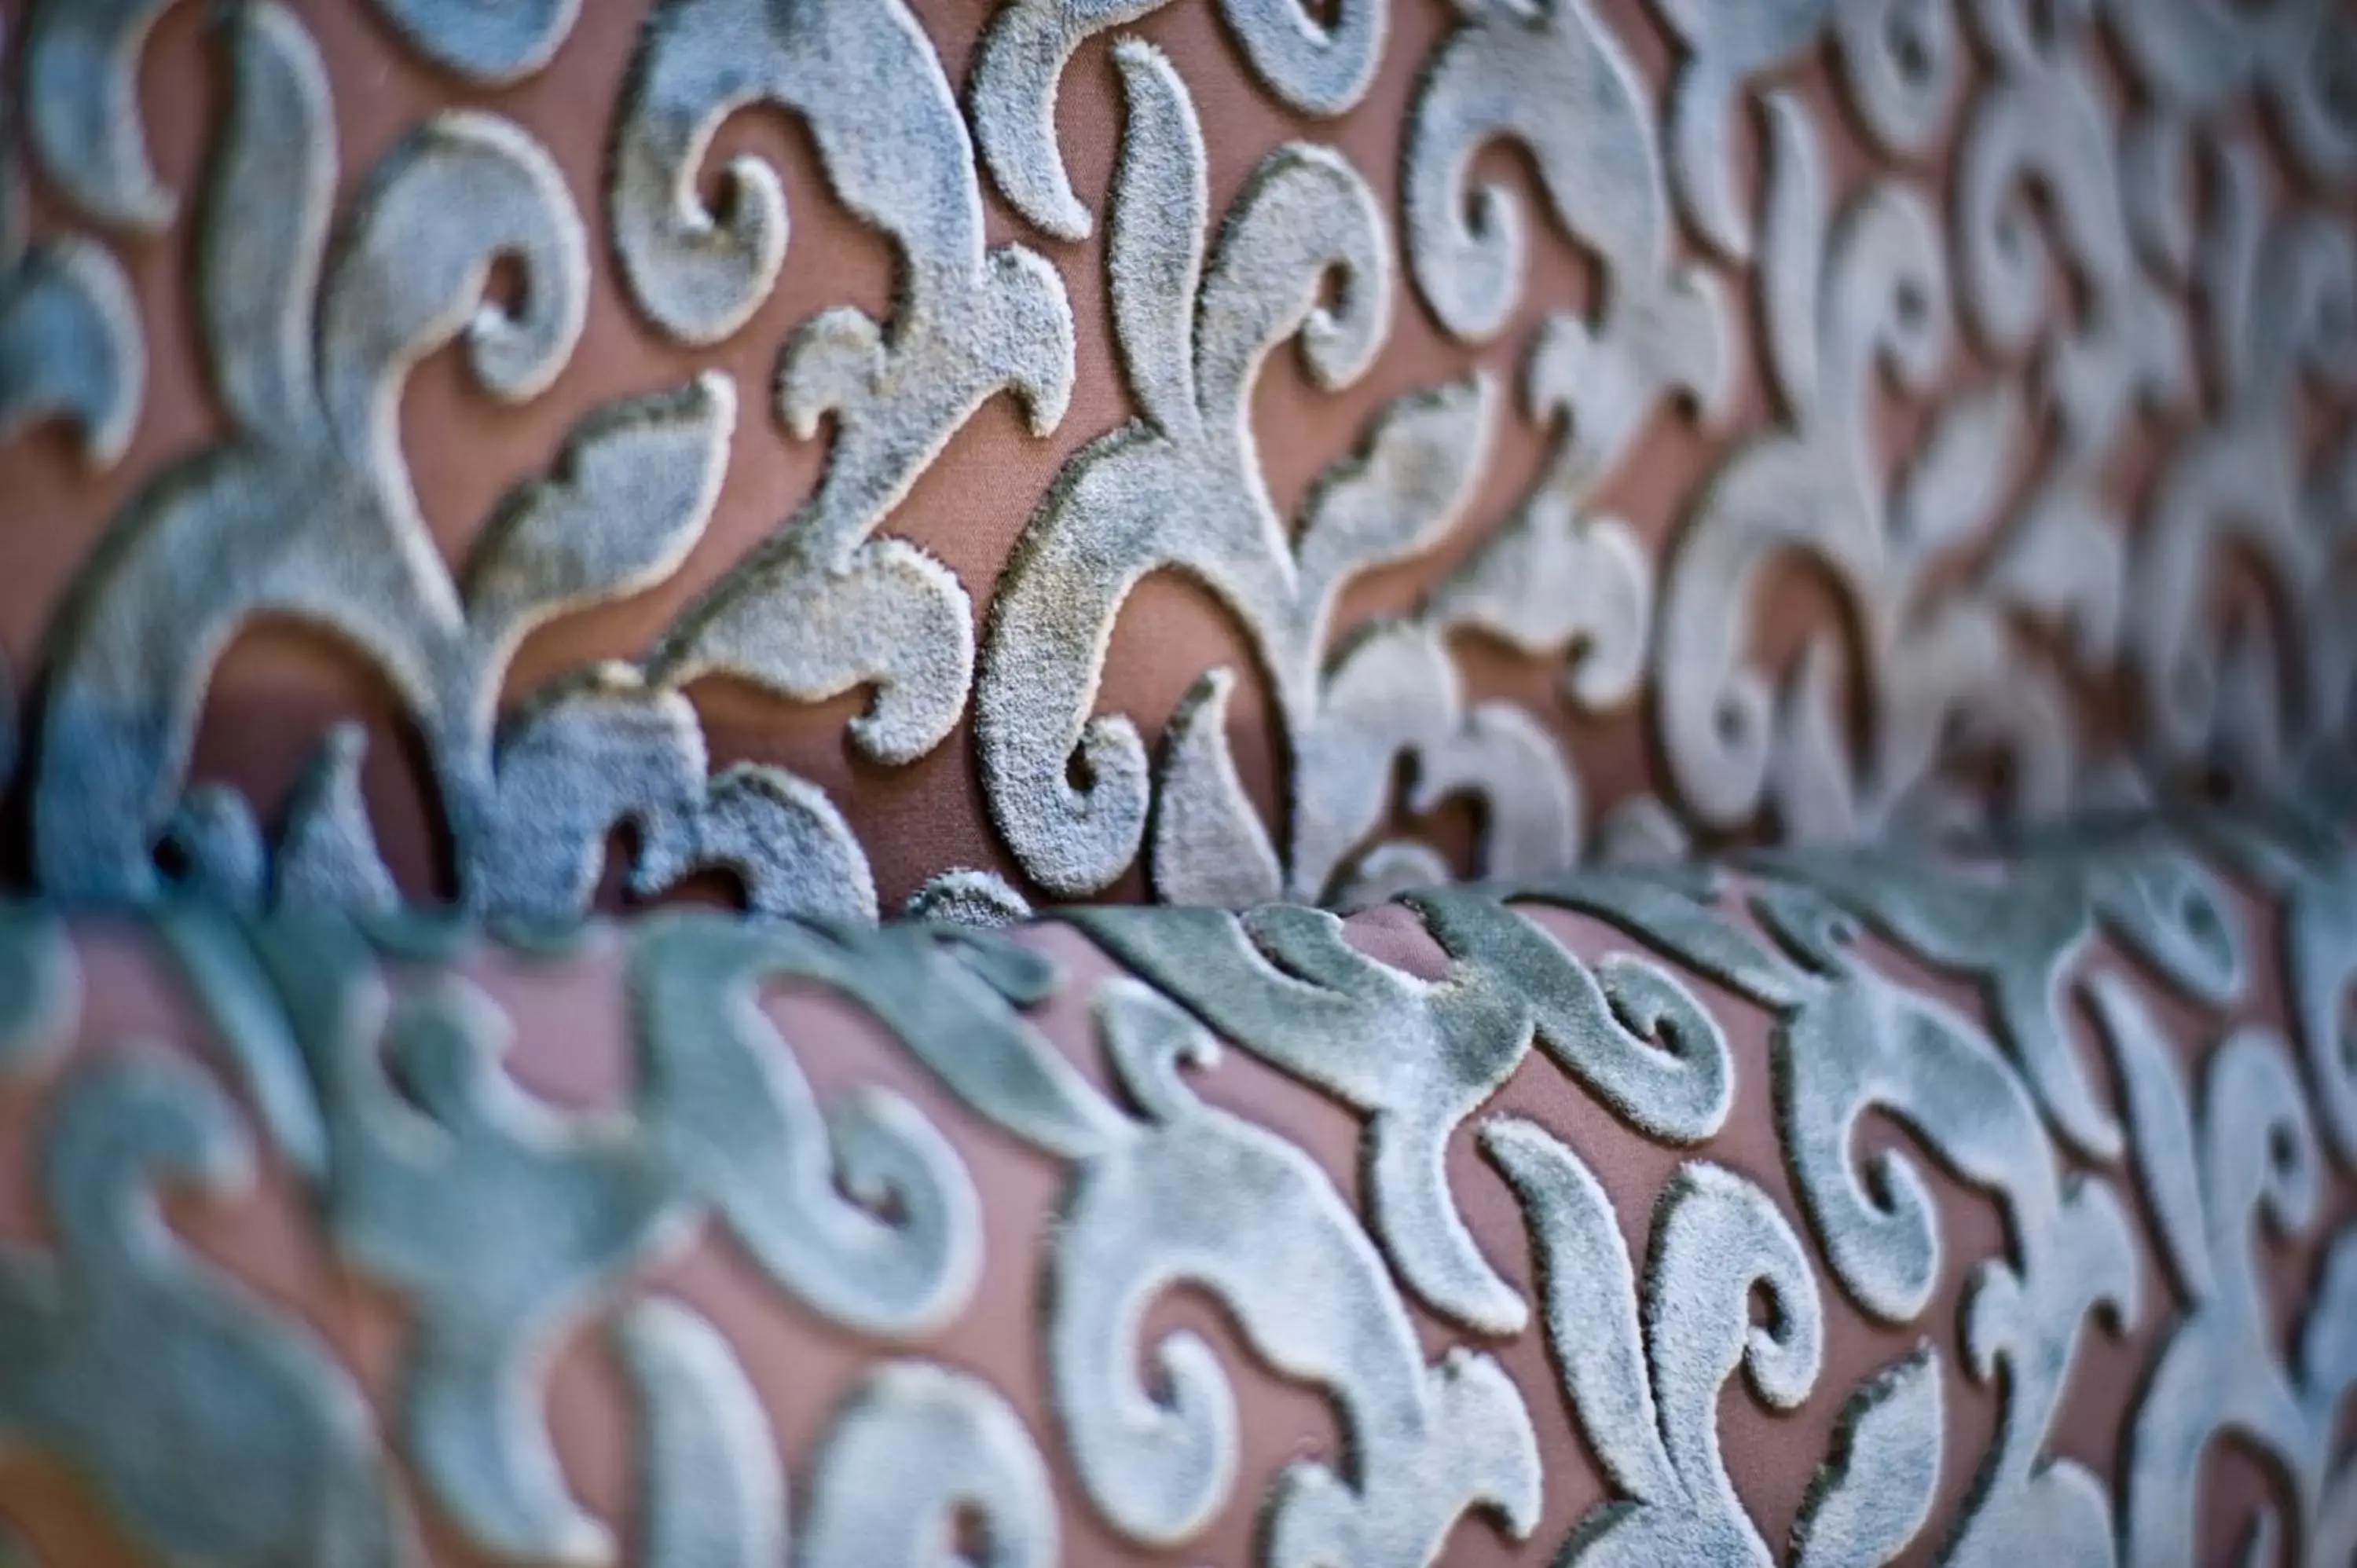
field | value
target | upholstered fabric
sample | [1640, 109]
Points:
[1663, 553]
[1852, 1207]
[1152, 450]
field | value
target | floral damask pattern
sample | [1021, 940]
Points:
[2035, 276]
[385, 1088]
[2031, 342]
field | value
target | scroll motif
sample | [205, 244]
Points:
[1308, 1290]
[2042, 130]
[915, 1447]
[1555, 81]
[2250, 1160]
[722, 1099]
[82, 108]
[71, 346]
[577, 1207]
[1554, 577]
[2193, 60]
[1849, 1041]
[306, 511]
[2282, 288]
[2021, 935]
[820, 608]
[1843, 302]
[1866, 1043]
[1179, 487]
[721, 1120]
[1902, 61]
[504, 1227]
[1646, 1389]
[2118, 252]
[1315, 65]
[1430, 1441]
[271, 1458]
[2310, 866]
[1417, 1057]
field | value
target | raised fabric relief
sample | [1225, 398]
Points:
[2085, 539]
[361, 1090]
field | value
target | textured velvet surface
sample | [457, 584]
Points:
[468, 470]
[2125, 568]
[2188, 996]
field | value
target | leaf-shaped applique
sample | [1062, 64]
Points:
[1303, 254]
[1157, 219]
[626, 500]
[126, 1334]
[70, 347]
[1873, 1495]
[1951, 489]
[491, 43]
[1209, 848]
[1421, 461]
[890, 619]
[327, 857]
[412, 269]
[1551, 582]
[713, 1494]
[1317, 64]
[1013, 86]
[81, 108]
[777, 834]
[957, 1453]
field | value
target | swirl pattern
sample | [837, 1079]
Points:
[2044, 382]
